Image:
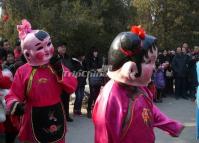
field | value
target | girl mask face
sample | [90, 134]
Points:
[138, 72]
[126, 74]
[37, 48]
[147, 68]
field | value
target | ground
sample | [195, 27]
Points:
[82, 130]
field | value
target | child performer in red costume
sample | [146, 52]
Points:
[36, 89]
[124, 111]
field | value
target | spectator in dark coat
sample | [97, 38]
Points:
[94, 66]
[79, 69]
[192, 75]
[17, 50]
[5, 48]
[160, 58]
[180, 69]
[165, 57]
[10, 62]
[171, 54]
[63, 54]
[169, 80]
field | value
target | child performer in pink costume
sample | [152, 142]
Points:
[36, 89]
[124, 111]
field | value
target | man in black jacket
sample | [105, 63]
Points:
[79, 69]
[63, 55]
[180, 67]
[94, 66]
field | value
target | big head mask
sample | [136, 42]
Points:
[36, 44]
[131, 57]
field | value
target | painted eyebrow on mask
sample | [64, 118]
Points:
[37, 44]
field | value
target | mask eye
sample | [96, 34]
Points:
[49, 43]
[27, 54]
[39, 48]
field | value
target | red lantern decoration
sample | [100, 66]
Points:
[5, 17]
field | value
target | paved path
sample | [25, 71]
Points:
[81, 130]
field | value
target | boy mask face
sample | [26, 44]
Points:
[37, 48]
[36, 44]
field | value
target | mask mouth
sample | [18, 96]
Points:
[47, 54]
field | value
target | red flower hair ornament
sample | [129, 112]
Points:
[24, 29]
[138, 31]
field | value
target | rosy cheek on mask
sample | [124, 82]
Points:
[147, 71]
[51, 50]
[39, 55]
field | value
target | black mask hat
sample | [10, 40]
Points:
[130, 46]
[126, 47]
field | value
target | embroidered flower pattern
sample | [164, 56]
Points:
[43, 80]
[53, 128]
[146, 115]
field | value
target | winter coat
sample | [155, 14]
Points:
[159, 78]
[79, 70]
[180, 65]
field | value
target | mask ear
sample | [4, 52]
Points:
[129, 70]
[27, 54]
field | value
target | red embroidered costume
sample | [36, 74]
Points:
[36, 89]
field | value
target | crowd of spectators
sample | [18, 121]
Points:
[174, 75]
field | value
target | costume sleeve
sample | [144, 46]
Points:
[174, 128]
[5, 81]
[114, 121]
[16, 93]
[68, 81]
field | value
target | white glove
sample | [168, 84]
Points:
[7, 73]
